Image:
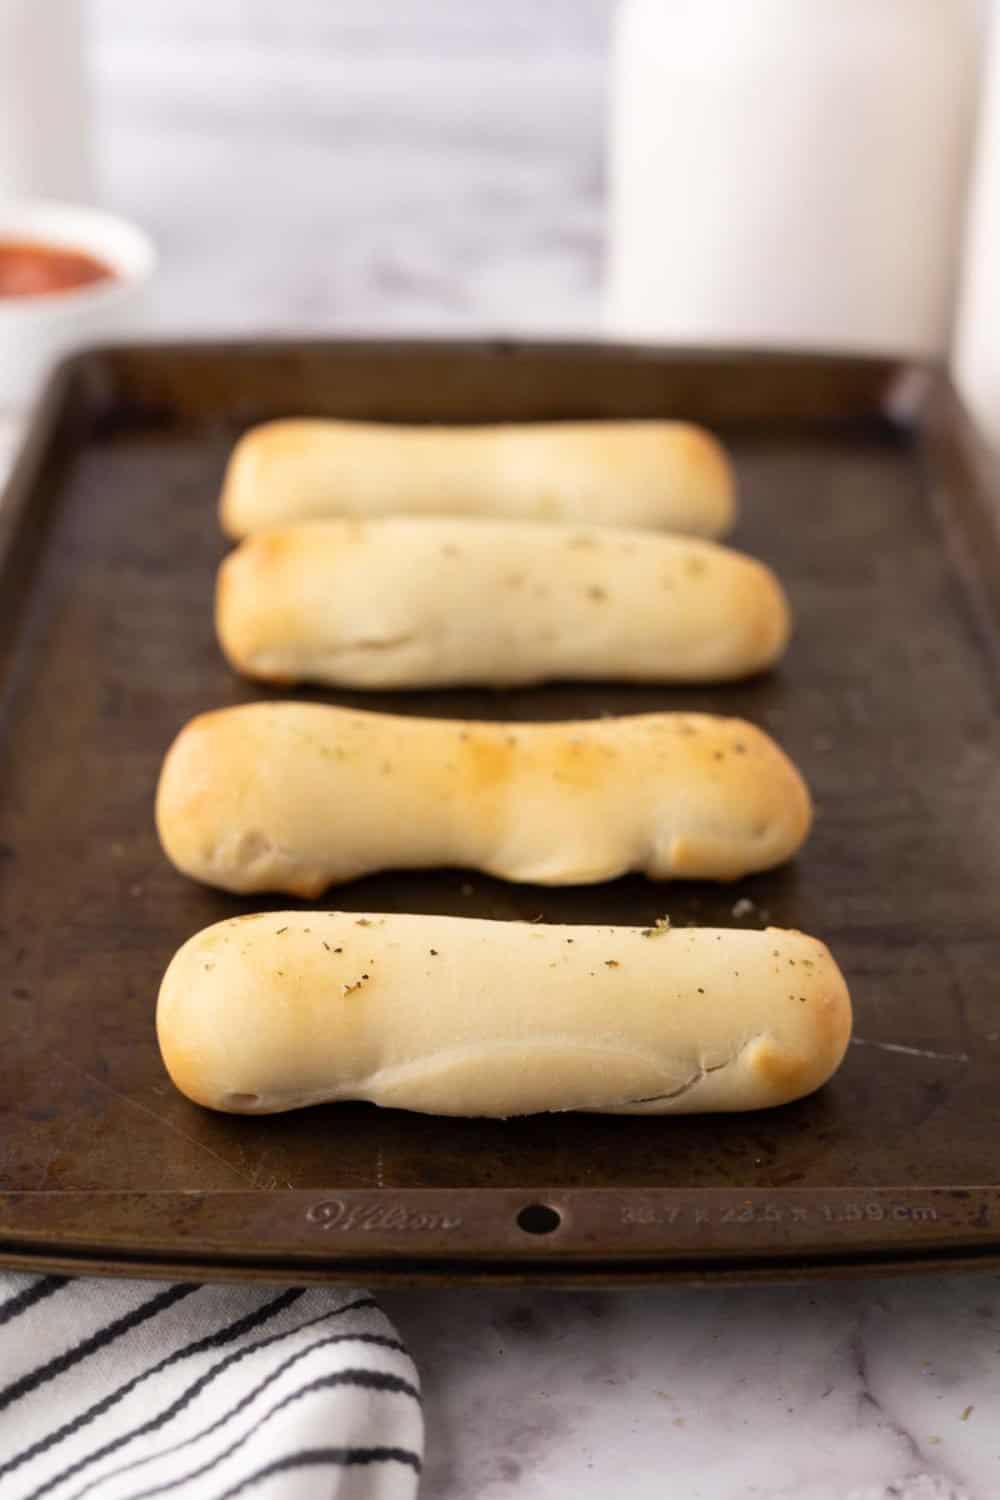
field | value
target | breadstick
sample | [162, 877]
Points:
[664, 475]
[295, 796]
[438, 602]
[456, 1016]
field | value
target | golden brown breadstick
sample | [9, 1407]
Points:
[416, 603]
[295, 796]
[455, 1016]
[666, 475]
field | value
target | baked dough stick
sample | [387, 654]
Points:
[666, 475]
[437, 602]
[455, 1016]
[295, 796]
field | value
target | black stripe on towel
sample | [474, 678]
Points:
[214, 1340]
[370, 1380]
[270, 1310]
[37, 1292]
[311, 1458]
[99, 1340]
[381, 1340]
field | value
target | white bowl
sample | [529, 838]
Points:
[36, 331]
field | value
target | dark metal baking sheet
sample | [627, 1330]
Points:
[883, 533]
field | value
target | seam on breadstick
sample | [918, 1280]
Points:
[382, 1080]
[297, 796]
[691, 1083]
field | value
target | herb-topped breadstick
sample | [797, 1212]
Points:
[457, 1016]
[296, 796]
[417, 603]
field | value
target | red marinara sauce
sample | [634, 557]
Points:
[30, 269]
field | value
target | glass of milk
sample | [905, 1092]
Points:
[790, 172]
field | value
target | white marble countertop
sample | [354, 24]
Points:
[313, 168]
[867, 1390]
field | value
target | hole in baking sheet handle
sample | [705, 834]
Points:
[538, 1218]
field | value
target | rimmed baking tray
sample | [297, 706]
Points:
[863, 485]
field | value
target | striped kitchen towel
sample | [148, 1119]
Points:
[117, 1390]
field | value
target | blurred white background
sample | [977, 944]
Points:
[422, 165]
